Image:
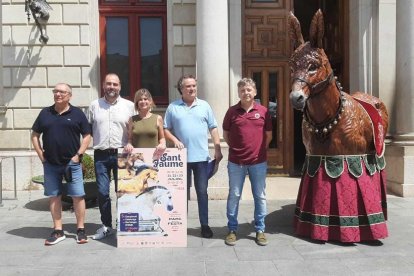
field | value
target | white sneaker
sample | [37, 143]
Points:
[103, 232]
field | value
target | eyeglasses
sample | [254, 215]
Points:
[62, 92]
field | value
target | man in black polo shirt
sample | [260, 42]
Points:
[61, 126]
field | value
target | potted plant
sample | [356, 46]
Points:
[89, 180]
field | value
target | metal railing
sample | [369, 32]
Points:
[1, 178]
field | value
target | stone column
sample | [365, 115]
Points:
[2, 100]
[235, 51]
[361, 37]
[213, 56]
[400, 154]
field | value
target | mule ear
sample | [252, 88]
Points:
[316, 30]
[295, 32]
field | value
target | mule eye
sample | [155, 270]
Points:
[312, 68]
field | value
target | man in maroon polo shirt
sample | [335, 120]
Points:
[248, 131]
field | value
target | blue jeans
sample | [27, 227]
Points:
[53, 179]
[199, 170]
[257, 176]
[105, 164]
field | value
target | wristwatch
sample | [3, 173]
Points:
[80, 155]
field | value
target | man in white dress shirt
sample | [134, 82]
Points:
[109, 117]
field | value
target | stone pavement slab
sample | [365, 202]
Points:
[26, 222]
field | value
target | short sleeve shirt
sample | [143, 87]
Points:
[109, 122]
[61, 133]
[247, 133]
[191, 124]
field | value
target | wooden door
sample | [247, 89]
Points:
[266, 51]
[335, 44]
[271, 82]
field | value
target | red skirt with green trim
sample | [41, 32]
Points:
[346, 208]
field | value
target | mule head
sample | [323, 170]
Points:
[310, 69]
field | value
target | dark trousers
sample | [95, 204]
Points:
[106, 163]
[199, 170]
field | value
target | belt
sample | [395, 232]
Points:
[108, 151]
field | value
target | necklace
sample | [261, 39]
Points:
[322, 130]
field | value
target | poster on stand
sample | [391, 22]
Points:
[152, 198]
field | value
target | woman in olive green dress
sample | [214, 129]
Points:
[145, 129]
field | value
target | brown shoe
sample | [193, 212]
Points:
[231, 238]
[261, 238]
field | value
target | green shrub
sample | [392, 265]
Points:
[88, 167]
[88, 170]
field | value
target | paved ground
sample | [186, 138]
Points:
[25, 223]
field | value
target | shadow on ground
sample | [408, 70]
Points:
[281, 221]
[32, 232]
[43, 205]
[244, 229]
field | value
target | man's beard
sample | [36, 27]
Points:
[111, 93]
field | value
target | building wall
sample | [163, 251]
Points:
[182, 38]
[31, 69]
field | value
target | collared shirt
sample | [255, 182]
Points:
[191, 124]
[109, 122]
[61, 133]
[247, 133]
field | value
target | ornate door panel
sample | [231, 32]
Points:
[266, 51]
[271, 82]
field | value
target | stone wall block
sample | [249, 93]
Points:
[86, 79]
[85, 35]
[14, 56]
[26, 35]
[184, 55]
[81, 97]
[6, 35]
[189, 35]
[6, 120]
[46, 56]
[33, 56]
[29, 77]
[14, 14]
[15, 97]
[25, 166]
[69, 75]
[55, 14]
[14, 139]
[77, 55]
[178, 35]
[6, 77]
[75, 14]
[24, 118]
[192, 70]
[184, 14]
[41, 97]
[63, 35]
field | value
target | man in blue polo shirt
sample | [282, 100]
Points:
[61, 126]
[187, 123]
